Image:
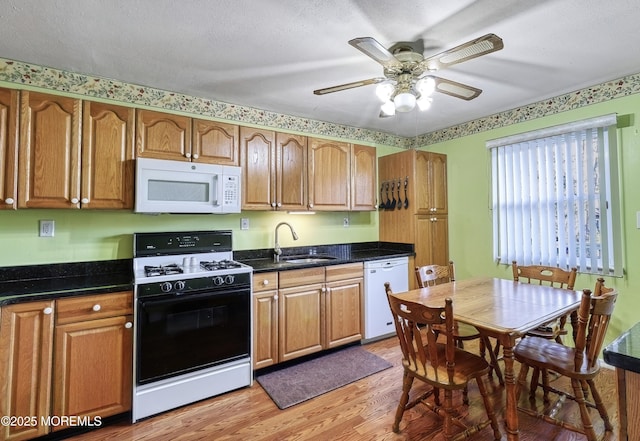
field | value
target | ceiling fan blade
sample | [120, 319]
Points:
[456, 89]
[348, 86]
[466, 51]
[370, 47]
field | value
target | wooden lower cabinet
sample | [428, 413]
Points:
[265, 319]
[26, 348]
[306, 311]
[74, 363]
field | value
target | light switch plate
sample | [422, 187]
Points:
[244, 223]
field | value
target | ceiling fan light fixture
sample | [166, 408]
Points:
[404, 101]
[384, 91]
[388, 108]
[426, 86]
[424, 103]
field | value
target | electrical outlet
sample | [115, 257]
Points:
[244, 223]
[345, 222]
[47, 228]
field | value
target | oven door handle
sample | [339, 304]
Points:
[163, 299]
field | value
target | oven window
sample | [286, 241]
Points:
[160, 190]
[182, 333]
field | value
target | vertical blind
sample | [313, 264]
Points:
[555, 197]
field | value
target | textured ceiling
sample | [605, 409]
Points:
[271, 54]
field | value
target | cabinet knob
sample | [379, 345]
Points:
[84, 200]
[48, 310]
[273, 204]
[188, 155]
[275, 297]
[97, 307]
[8, 201]
[310, 205]
[75, 200]
[279, 204]
[196, 156]
[265, 282]
[128, 325]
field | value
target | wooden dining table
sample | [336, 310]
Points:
[505, 310]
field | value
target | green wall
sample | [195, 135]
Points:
[470, 228]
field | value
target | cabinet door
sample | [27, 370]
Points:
[343, 306]
[432, 240]
[49, 160]
[329, 173]
[438, 180]
[93, 367]
[26, 344]
[363, 178]
[107, 156]
[163, 135]
[8, 148]
[215, 142]
[265, 329]
[291, 172]
[300, 321]
[258, 160]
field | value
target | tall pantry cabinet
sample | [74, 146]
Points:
[417, 181]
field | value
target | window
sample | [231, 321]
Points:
[555, 197]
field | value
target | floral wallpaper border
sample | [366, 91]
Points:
[91, 86]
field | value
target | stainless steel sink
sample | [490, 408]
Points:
[308, 259]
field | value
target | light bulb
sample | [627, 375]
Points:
[424, 103]
[404, 101]
[384, 91]
[388, 108]
[425, 86]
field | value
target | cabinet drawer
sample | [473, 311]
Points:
[265, 281]
[75, 309]
[346, 271]
[305, 276]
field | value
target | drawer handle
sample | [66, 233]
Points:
[96, 307]
[265, 282]
[128, 325]
[8, 201]
[48, 310]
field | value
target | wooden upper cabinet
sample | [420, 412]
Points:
[291, 172]
[8, 148]
[107, 156]
[258, 161]
[163, 135]
[329, 174]
[215, 142]
[363, 178]
[431, 180]
[49, 153]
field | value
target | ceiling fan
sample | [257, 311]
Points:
[408, 78]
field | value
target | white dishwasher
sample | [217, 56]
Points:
[378, 321]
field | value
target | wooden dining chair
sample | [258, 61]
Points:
[430, 275]
[552, 276]
[579, 364]
[441, 365]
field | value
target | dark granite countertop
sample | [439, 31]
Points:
[40, 282]
[262, 260]
[624, 351]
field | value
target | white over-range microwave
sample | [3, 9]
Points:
[186, 187]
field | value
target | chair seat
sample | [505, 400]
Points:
[462, 331]
[468, 366]
[547, 354]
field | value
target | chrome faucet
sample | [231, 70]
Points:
[276, 249]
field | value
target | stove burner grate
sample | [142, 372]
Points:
[162, 270]
[219, 265]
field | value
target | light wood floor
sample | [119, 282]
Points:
[359, 411]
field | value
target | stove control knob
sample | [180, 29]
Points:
[180, 285]
[218, 281]
[166, 286]
[229, 279]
